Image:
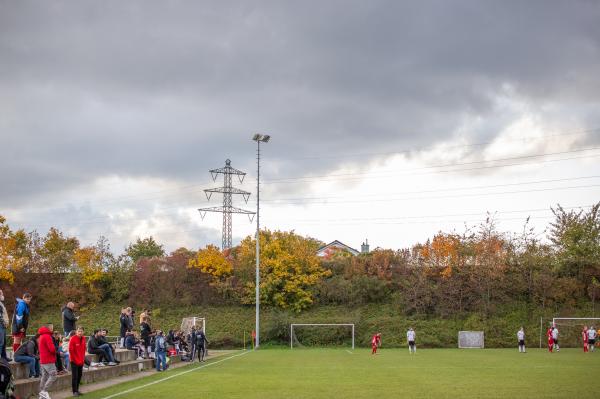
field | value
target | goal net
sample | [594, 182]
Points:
[569, 330]
[471, 340]
[315, 335]
[188, 322]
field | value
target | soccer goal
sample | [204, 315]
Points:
[321, 334]
[569, 329]
[471, 340]
[188, 322]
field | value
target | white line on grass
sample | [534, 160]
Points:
[173, 376]
[347, 350]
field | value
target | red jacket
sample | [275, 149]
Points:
[77, 350]
[46, 346]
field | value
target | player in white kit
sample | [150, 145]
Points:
[521, 339]
[591, 333]
[555, 338]
[410, 337]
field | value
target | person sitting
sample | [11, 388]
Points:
[132, 343]
[96, 347]
[105, 344]
[28, 353]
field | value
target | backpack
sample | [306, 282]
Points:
[7, 382]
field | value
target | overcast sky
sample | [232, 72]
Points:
[389, 120]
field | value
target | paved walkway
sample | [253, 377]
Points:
[131, 377]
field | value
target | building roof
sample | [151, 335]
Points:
[328, 249]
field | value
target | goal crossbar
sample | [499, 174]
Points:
[319, 325]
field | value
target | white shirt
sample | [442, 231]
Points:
[591, 334]
[410, 335]
[554, 333]
[521, 335]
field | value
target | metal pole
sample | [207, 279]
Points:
[257, 344]
[541, 333]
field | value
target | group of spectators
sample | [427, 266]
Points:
[49, 353]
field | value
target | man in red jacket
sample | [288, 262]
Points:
[77, 357]
[47, 359]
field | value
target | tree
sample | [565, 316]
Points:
[211, 260]
[10, 259]
[146, 248]
[57, 251]
[289, 269]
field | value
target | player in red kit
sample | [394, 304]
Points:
[375, 342]
[584, 335]
[550, 340]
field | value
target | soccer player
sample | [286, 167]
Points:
[555, 338]
[550, 340]
[584, 336]
[410, 337]
[591, 338]
[375, 342]
[521, 339]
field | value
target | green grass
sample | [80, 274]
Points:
[336, 373]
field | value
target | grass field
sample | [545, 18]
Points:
[337, 373]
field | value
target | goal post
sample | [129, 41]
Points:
[188, 322]
[350, 327]
[569, 329]
[471, 340]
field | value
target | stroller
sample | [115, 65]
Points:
[7, 382]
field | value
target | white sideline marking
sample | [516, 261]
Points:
[347, 350]
[173, 376]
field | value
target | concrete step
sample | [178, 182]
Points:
[26, 388]
[21, 370]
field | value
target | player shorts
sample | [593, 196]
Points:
[555, 342]
[592, 341]
[521, 342]
[411, 343]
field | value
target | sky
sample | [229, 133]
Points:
[390, 120]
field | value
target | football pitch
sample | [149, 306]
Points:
[393, 373]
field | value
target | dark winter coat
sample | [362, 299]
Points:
[69, 319]
[29, 348]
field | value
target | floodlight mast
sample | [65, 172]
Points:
[265, 139]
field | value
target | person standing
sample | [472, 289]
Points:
[20, 320]
[69, 318]
[584, 337]
[201, 343]
[591, 333]
[145, 334]
[124, 323]
[555, 338]
[410, 337]
[3, 326]
[193, 343]
[160, 350]
[550, 340]
[521, 340]
[47, 359]
[77, 348]
[375, 342]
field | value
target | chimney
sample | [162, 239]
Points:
[364, 248]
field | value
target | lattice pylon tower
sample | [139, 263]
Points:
[228, 191]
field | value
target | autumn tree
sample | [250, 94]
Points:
[146, 248]
[57, 251]
[10, 258]
[211, 260]
[289, 269]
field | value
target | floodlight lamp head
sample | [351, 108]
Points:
[266, 138]
[257, 137]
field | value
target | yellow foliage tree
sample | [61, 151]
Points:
[211, 260]
[289, 268]
[89, 263]
[10, 261]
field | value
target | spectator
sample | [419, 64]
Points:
[171, 338]
[145, 315]
[95, 346]
[103, 341]
[20, 320]
[146, 333]
[64, 350]
[201, 343]
[3, 326]
[77, 355]
[47, 359]
[160, 349]
[132, 343]
[131, 316]
[193, 343]
[124, 322]
[69, 318]
[29, 354]
[57, 338]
